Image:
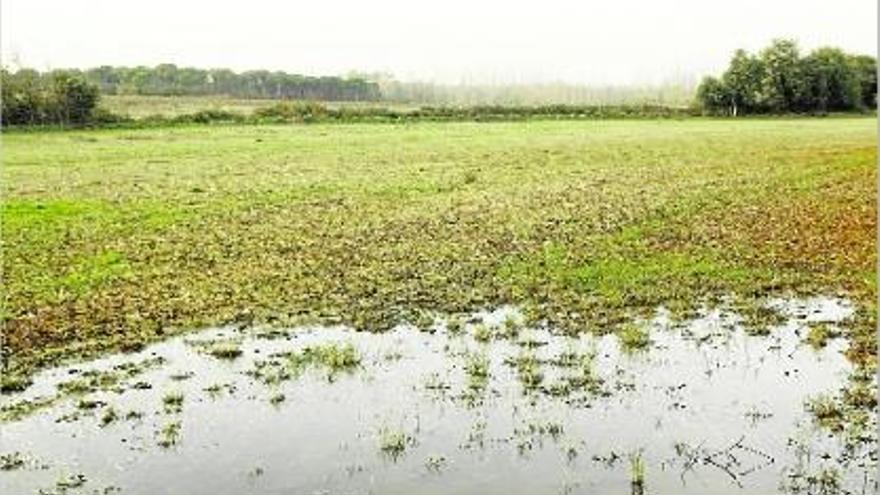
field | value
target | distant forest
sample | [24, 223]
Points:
[777, 80]
[170, 80]
[780, 80]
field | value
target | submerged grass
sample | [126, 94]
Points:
[113, 238]
[169, 434]
[477, 369]
[334, 358]
[633, 337]
[173, 402]
[394, 443]
[227, 350]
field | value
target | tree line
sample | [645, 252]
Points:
[170, 80]
[776, 80]
[779, 79]
[60, 97]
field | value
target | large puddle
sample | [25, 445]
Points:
[483, 407]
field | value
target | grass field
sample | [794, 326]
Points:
[140, 106]
[117, 237]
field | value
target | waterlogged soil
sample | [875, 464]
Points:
[474, 405]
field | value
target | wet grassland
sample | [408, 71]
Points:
[116, 239]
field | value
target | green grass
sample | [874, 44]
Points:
[169, 434]
[223, 349]
[117, 237]
[633, 337]
[140, 106]
[173, 402]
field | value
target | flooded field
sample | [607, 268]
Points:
[473, 404]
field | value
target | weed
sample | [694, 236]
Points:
[454, 325]
[424, 321]
[225, 349]
[554, 430]
[827, 412]
[435, 463]
[109, 416]
[827, 481]
[435, 382]
[637, 474]
[334, 357]
[529, 371]
[511, 327]
[10, 382]
[169, 434]
[819, 335]
[477, 369]
[134, 415]
[173, 402]
[482, 333]
[217, 389]
[181, 376]
[759, 319]
[394, 442]
[108, 380]
[76, 387]
[633, 337]
[860, 395]
[12, 461]
[70, 482]
[89, 404]
[25, 407]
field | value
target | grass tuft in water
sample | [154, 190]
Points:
[633, 337]
[227, 349]
[454, 325]
[759, 319]
[827, 412]
[819, 335]
[477, 368]
[637, 474]
[12, 382]
[334, 357]
[12, 461]
[394, 443]
[173, 402]
[169, 434]
[435, 463]
[510, 328]
[109, 416]
[482, 333]
[70, 482]
[529, 371]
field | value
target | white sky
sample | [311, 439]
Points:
[579, 41]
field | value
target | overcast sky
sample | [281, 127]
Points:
[586, 41]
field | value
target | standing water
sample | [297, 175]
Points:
[481, 405]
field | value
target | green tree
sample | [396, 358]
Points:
[743, 80]
[865, 68]
[74, 99]
[783, 83]
[23, 97]
[830, 80]
[714, 96]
